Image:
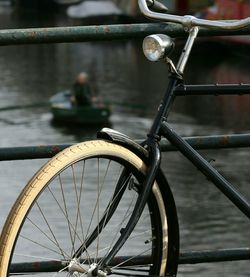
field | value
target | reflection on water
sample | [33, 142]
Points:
[119, 73]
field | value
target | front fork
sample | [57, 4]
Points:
[153, 166]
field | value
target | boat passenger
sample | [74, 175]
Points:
[81, 93]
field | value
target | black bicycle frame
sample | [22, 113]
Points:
[192, 155]
[206, 168]
[160, 128]
[176, 88]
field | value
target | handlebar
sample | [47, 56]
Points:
[188, 20]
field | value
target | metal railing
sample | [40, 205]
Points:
[199, 142]
[118, 32]
[102, 33]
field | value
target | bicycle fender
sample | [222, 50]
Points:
[123, 140]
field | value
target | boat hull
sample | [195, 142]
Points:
[64, 112]
[81, 115]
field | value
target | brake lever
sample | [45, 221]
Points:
[156, 6]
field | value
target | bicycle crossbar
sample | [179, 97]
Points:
[237, 89]
[102, 33]
[201, 142]
[193, 257]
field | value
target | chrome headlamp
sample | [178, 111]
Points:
[156, 47]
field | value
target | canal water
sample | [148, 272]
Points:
[120, 74]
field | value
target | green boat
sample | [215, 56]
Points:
[65, 112]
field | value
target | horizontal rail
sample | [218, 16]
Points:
[212, 142]
[30, 152]
[101, 32]
[192, 257]
[54, 266]
[212, 256]
[201, 142]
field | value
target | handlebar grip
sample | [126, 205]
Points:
[156, 6]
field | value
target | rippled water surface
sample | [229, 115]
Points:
[119, 73]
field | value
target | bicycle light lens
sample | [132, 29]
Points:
[156, 47]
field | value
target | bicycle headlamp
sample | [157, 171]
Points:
[156, 47]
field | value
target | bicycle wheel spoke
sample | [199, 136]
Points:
[98, 209]
[65, 208]
[133, 268]
[65, 254]
[39, 244]
[77, 212]
[50, 229]
[70, 225]
[99, 190]
[83, 246]
[35, 257]
[129, 274]
[63, 269]
[131, 258]
[80, 198]
[94, 210]
[140, 234]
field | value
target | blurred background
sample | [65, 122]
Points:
[120, 74]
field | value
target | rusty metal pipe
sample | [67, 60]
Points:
[202, 142]
[101, 33]
[191, 257]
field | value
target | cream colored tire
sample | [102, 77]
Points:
[65, 179]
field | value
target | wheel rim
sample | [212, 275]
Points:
[63, 224]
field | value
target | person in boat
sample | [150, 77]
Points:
[81, 93]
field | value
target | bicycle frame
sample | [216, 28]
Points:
[160, 128]
[207, 169]
[176, 88]
[192, 155]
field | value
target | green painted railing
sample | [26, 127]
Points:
[201, 142]
[101, 32]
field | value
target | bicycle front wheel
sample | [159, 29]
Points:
[74, 209]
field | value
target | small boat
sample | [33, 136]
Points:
[65, 112]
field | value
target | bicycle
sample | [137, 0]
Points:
[104, 207]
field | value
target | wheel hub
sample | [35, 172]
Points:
[76, 269]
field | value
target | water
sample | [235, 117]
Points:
[118, 72]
